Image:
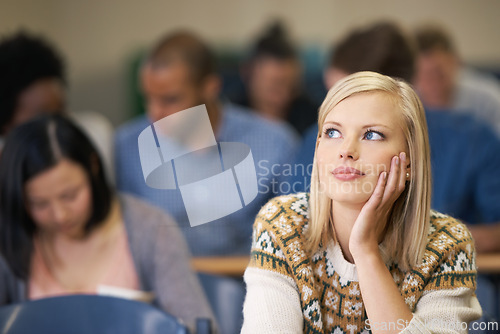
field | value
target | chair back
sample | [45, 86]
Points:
[79, 314]
[226, 296]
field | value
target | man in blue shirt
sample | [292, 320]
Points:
[465, 153]
[180, 73]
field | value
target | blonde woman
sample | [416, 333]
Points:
[363, 251]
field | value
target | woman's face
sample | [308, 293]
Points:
[359, 138]
[59, 200]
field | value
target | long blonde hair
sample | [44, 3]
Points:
[408, 224]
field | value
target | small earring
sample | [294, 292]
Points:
[407, 175]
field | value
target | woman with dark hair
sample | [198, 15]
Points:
[63, 230]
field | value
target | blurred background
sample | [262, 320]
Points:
[103, 41]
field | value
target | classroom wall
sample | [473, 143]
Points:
[99, 38]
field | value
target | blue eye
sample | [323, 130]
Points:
[373, 135]
[332, 133]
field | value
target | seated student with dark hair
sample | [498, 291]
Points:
[63, 230]
[272, 76]
[33, 82]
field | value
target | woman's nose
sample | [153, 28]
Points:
[349, 150]
[60, 213]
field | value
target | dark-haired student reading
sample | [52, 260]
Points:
[63, 230]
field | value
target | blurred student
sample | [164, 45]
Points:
[443, 82]
[63, 230]
[33, 82]
[464, 151]
[178, 74]
[272, 76]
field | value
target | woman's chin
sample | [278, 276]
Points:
[351, 194]
[350, 198]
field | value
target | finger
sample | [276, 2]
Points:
[393, 179]
[402, 174]
[378, 193]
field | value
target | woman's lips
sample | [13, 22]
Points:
[345, 173]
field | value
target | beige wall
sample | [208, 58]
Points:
[97, 37]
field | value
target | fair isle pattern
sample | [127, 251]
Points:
[331, 304]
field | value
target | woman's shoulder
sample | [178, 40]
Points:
[279, 236]
[449, 256]
[292, 204]
[282, 223]
[145, 222]
[287, 211]
[136, 211]
[447, 233]
[448, 260]
[150, 231]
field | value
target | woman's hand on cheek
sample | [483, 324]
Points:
[369, 228]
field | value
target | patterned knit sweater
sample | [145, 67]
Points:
[289, 292]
